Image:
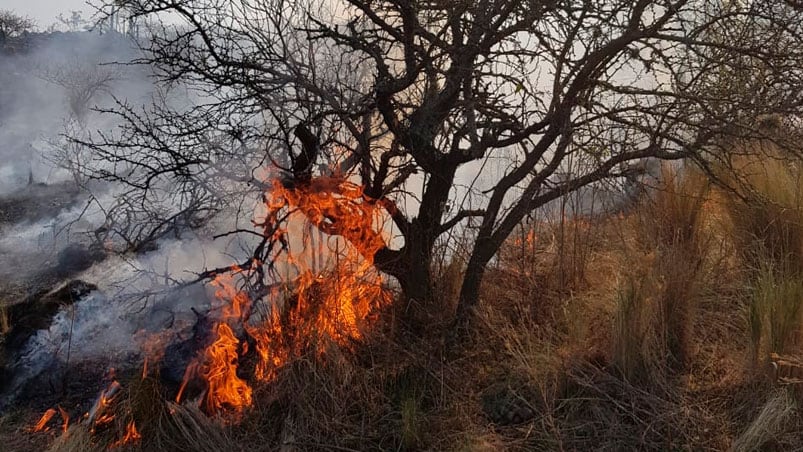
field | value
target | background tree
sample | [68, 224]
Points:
[82, 79]
[13, 25]
[415, 99]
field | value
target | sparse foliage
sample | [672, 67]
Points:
[13, 25]
[83, 80]
[414, 99]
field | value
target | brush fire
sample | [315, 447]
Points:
[266, 313]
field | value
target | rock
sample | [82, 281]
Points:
[33, 314]
[37, 311]
[505, 406]
[76, 258]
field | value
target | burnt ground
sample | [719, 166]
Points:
[36, 283]
[37, 201]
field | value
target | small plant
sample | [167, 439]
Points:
[775, 314]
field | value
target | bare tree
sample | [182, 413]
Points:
[412, 99]
[82, 79]
[13, 25]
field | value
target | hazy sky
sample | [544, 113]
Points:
[44, 12]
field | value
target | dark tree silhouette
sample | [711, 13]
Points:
[412, 99]
[13, 25]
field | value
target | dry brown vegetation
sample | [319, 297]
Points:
[676, 326]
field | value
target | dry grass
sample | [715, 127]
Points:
[778, 418]
[766, 211]
[623, 333]
[775, 315]
[657, 299]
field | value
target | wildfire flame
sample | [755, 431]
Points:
[65, 417]
[41, 426]
[131, 435]
[98, 415]
[324, 307]
[226, 389]
[314, 308]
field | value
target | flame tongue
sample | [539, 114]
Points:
[225, 389]
[41, 426]
[97, 415]
[131, 435]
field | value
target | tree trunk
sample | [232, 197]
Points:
[470, 289]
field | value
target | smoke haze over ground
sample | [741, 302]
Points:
[49, 223]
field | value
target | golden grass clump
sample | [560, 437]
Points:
[766, 210]
[656, 299]
[776, 418]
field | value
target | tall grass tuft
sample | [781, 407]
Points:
[656, 301]
[775, 314]
[630, 329]
[766, 209]
[773, 420]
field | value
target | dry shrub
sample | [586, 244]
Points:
[766, 210]
[775, 427]
[658, 293]
[775, 314]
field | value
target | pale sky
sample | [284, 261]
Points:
[44, 12]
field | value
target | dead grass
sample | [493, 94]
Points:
[622, 333]
[657, 299]
[775, 315]
[776, 422]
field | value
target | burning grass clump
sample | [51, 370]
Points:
[136, 416]
[381, 395]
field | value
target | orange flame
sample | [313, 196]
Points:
[226, 389]
[65, 417]
[325, 307]
[41, 426]
[131, 435]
